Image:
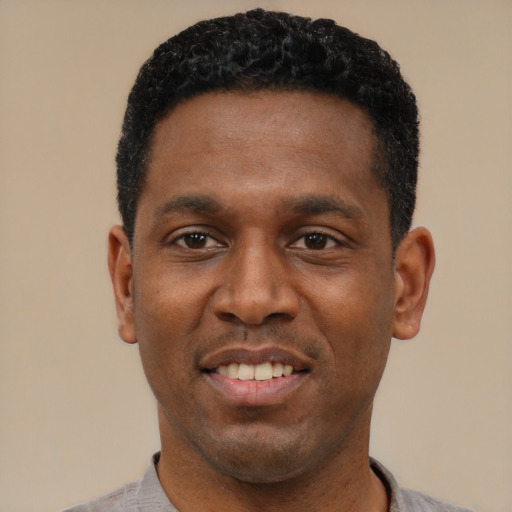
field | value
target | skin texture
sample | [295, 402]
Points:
[261, 234]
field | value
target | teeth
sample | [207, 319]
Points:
[287, 370]
[246, 372]
[277, 370]
[223, 370]
[264, 371]
[233, 371]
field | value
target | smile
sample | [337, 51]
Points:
[258, 372]
[254, 378]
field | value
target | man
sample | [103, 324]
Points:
[266, 182]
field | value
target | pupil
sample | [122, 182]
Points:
[195, 240]
[316, 241]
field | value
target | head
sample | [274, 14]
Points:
[261, 50]
[266, 182]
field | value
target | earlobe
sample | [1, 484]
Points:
[414, 265]
[121, 273]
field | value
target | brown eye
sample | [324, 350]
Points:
[196, 241]
[316, 241]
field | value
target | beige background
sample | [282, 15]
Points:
[77, 418]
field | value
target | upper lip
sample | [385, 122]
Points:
[245, 355]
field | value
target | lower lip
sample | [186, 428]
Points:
[253, 393]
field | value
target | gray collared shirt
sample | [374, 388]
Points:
[147, 494]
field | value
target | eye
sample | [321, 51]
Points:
[196, 241]
[315, 242]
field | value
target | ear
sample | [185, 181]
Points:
[414, 264]
[121, 273]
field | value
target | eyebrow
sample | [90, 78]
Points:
[188, 204]
[304, 205]
[317, 205]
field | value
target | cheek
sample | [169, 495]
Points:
[357, 300]
[356, 316]
[168, 304]
[164, 313]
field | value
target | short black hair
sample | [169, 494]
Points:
[261, 50]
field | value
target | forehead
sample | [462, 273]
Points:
[265, 147]
[314, 121]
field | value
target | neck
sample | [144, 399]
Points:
[344, 481]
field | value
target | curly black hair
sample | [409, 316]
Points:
[260, 50]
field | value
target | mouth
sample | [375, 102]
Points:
[257, 378]
[259, 372]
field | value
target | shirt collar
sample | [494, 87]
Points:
[151, 496]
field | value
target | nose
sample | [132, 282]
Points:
[256, 287]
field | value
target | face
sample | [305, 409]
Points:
[261, 286]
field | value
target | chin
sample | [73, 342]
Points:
[261, 472]
[258, 459]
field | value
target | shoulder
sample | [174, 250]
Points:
[418, 502]
[123, 499]
[407, 500]
[144, 494]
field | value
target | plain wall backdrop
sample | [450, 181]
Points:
[77, 418]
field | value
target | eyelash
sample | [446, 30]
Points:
[326, 236]
[182, 237]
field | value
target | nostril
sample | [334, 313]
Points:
[227, 317]
[279, 315]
